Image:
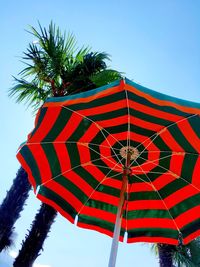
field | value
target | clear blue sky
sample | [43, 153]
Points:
[154, 42]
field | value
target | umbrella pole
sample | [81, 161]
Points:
[115, 241]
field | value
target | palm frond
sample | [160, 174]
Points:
[31, 93]
[105, 77]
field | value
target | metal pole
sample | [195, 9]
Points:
[115, 241]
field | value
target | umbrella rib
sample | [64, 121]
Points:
[80, 165]
[154, 188]
[175, 175]
[104, 167]
[67, 142]
[172, 152]
[105, 178]
[129, 128]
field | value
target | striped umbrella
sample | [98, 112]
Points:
[119, 159]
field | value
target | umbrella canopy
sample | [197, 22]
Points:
[121, 141]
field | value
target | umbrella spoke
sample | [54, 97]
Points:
[172, 152]
[129, 127]
[68, 142]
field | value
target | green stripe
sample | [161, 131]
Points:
[153, 232]
[51, 195]
[52, 159]
[97, 222]
[109, 115]
[190, 228]
[73, 153]
[101, 205]
[163, 96]
[146, 213]
[31, 162]
[149, 118]
[99, 102]
[185, 205]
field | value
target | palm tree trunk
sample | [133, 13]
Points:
[165, 253]
[34, 241]
[12, 206]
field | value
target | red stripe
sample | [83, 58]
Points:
[63, 156]
[145, 124]
[103, 109]
[190, 237]
[46, 124]
[99, 214]
[91, 132]
[188, 216]
[141, 187]
[113, 122]
[157, 239]
[176, 163]
[146, 205]
[42, 161]
[163, 180]
[149, 223]
[84, 153]
[103, 197]
[154, 112]
[114, 183]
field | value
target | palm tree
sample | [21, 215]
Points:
[180, 256]
[11, 207]
[54, 67]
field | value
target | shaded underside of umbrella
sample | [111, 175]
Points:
[76, 155]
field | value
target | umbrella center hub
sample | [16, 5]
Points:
[134, 152]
